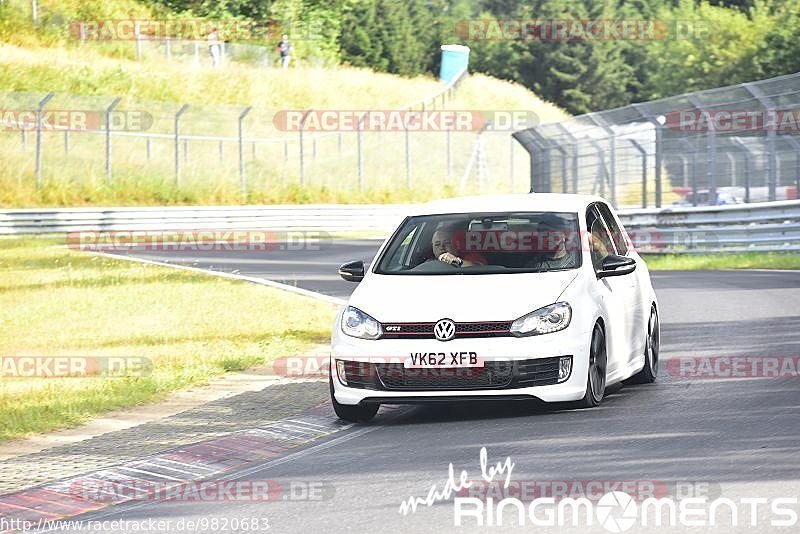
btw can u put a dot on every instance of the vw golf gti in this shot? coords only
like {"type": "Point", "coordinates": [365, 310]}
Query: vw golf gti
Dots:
{"type": "Point", "coordinates": [535, 296]}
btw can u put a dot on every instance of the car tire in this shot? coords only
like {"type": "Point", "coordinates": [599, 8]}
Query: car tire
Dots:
{"type": "Point", "coordinates": [596, 376]}
{"type": "Point", "coordinates": [357, 413]}
{"type": "Point", "coordinates": [649, 372]}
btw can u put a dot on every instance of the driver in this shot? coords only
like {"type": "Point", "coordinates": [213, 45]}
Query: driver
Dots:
{"type": "Point", "coordinates": [553, 231]}
{"type": "Point", "coordinates": [445, 251]}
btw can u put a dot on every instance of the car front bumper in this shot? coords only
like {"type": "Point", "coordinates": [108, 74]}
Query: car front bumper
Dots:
{"type": "Point", "coordinates": [569, 342]}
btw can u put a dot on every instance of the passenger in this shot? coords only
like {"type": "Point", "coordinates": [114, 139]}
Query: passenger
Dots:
{"type": "Point", "coordinates": [553, 232]}
{"type": "Point", "coordinates": [445, 251]}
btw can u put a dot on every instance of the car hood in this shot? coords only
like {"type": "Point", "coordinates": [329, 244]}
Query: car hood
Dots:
{"type": "Point", "coordinates": [462, 298]}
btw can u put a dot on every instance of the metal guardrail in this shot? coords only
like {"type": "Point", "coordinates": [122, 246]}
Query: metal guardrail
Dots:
{"type": "Point", "coordinates": [769, 226]}
{"type": "Point", "coordinates": [322, 217]}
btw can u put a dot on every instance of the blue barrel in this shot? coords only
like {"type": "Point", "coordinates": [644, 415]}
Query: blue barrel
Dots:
{"type": "Point", "coordinates": [455, 59]}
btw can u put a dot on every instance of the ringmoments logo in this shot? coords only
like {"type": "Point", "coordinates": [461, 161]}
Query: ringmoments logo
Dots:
{"type": "Point", "coordinates": [616, 510]}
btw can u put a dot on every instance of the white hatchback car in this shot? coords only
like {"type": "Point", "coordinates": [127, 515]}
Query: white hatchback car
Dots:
{"type": "Point", "coordinates": [496, 297]}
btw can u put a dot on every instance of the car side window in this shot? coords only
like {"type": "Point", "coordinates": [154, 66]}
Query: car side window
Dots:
{"type": "Point", "coordinates": [616, 232]}
{"type": "Point", "coordinates": [602, 245]}
{"type": "Point", "coordinates": [399, 257]}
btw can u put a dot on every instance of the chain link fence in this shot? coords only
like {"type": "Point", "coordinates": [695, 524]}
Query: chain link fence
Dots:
{"type": "Point", "coordinates": [727, 145]}
{"type": "Point", "coordinates": [112, 142]}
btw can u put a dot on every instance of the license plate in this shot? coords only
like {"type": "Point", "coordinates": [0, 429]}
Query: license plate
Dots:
{"type": "Point", "coordinates": [442, 360]}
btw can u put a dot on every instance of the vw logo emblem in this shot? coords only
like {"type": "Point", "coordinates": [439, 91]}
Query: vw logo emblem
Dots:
{"type": "Point", "coordinates": [444, 330]}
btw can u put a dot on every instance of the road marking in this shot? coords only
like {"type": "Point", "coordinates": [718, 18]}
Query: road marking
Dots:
{"type": "Point", "coordinates": [221, 274]}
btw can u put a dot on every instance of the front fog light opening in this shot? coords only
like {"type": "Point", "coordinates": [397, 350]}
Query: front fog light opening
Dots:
{"type": "Point", "coordinates": [340, 372]}
{"type": "Point", "coordinates": [564, 368]}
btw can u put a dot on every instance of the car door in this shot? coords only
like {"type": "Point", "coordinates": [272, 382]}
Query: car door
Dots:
{"type": "Point", "coordinates": [613, 292]}
{"type": "Point", "coordinates": [634, 301]}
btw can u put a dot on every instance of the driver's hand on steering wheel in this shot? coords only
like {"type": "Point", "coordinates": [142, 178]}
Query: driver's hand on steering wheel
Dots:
{"type": "Point", "coordinates": [452, 259]}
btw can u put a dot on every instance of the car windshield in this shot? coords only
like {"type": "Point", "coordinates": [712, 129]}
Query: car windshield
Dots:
{"type": "Point", "coordinates": [483, 243]}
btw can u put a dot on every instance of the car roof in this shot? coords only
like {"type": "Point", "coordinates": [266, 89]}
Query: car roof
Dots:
{"type": "Point", "coordinates": [545, 202]}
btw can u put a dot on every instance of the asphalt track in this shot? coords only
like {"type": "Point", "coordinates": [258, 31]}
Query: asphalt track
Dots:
{"type": "Point", "coordinates": [722, 437]}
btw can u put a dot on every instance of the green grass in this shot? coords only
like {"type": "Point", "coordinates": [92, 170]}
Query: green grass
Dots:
{"type": "Point", "coordinates": [89, 76]}
{"type": "Point", "coordinates": [747, 260]}
{"type": "Point", "coordinates": [85, 79]}
{"type": "Point", "coordinates": [58, 302]}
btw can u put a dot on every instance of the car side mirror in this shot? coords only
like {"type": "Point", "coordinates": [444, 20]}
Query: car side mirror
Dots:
{"type": "Point", "coordinates": [614, 265]}
{"type": "Point", "coordinates": [352, 271]}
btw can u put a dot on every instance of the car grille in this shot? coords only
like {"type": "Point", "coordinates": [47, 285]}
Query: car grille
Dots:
{"type": "Point", "coordinates": [500, 374]}
{"type": "Point", "coordinates": [463, 330]}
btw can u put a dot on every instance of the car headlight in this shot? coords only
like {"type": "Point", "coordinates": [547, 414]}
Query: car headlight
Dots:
{"type": "Point", "coordinates": [356, 323]}
{"type": "Point", "coordinates": [545, 320]}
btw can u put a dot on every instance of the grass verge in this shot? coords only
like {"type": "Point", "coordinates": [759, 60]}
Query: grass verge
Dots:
{"type": "Point", "coordinates": [57, 302]}
{"type": "Point", "coordinates": [745, 260]}
{"type": "Point", "coordinates": [73, 167]}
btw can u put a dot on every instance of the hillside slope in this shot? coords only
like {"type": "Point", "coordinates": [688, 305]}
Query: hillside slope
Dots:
{"type": "Point", "coordinates": [90, 76]}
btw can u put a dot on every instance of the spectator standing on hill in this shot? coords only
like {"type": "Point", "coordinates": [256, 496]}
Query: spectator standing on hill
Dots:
{"type": "Point", "coordinates": [214, 46]}
{"type": "Point", "coordinates": [285, 48]}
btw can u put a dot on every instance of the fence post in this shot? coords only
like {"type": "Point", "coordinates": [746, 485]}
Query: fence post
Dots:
{"type": "Point", "coordinates": [66, 143]}
{"type": "Point", "coordinates": [564, 180]}
{"type": "Point", "coordinates": [449, 155]}
{"type": "Point", "coordinates": [221, 152]}
{"type": "Point", "coordinates": [167, 48]}
{"type": "Point", "coordinates": [658, 160]}
{"type": "Point", "coordinates": [747, 158]}
{"type": "Point", "coordinates": [612, 160]}
{"type": "Point", "coordinates": [770, 108]}
{"type": "Point", "coordinates": [302, 149]}
{"type": "Point", "coordinates": [108, 137]}
{"type": "Point", "coordinates": [285, 151]}
{"type": "Point", "coordinates": [600, 178]}
{"type": "Point", "coordinates": [24, 139]}
{"type": "Point", "coordinates": [138, 33]}
{"type": "Point", "coordinates": [408, 158]}
{"type": "Point", "coordinates": [796, 146]}
{"type": "Point", "coordinates": [178, 143]}
{"type": "Point", "coordinates": [42, 104]}
{"type": "Point", "coordinates": [360, 155]}
{"type": "Point", "coordinates": [772, 186]}
{"type": "Point", "coordinates": [242, 177]}
{"type": "Point", "coordinates": [693, 150]}
{"type": "Point", "coordinates": [732, 163]}
{"type": "Point", "coordinates": [612, 168]}
{"type": "Point", "coordinates": [147, 147]}
{"type": "Point", "coordinates": [545, 167]}
{"type": "Point", "coordinates": [511, 162]}
{"type": "Point", "coordinates": [643, 152]}
{"type": "Point", "coordinates": [574, 143]}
